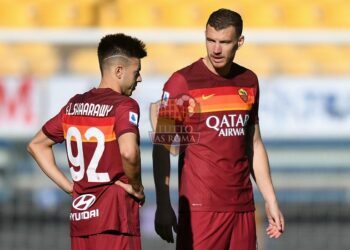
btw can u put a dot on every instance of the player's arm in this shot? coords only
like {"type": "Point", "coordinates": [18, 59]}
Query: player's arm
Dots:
{"type": "Point", "coordinates": [261, 172]}
{"type": "Point", "coordinates": [165, 218]}
{"type": "Point", "coordinates": [161, 169]}
{"type": "Point", "coordinates": [40, 149]}
{"type": "Point", "coordinates": [130, 154]}
{"type": "Point", "coordinates": [161, 173]}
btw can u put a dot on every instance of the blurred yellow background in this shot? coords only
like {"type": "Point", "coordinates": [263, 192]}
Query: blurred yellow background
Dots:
{"type": "Point", "coordinates": [267, 58]}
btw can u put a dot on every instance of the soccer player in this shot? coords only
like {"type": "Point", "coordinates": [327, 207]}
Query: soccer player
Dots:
{"type": "Point", "coordinates": [100, 129]}
{"type": "Point", "coordinates": [216, 204]}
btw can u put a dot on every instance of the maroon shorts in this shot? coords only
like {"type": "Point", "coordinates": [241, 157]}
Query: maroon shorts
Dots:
{"type": "Point", "coordinates": [216, 230]}
{"type": "Point", "coordinates": [106, 241]}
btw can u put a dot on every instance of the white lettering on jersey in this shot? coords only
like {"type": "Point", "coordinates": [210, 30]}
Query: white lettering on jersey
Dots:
{"type": "Point", "coordinates": [228, 125]}
{"type": "Point", "coordinates": [86, 215]}
{"type": "Point", "coordinates": [82, 203]}
{"type": "Point", "coordinates": [88, 109]}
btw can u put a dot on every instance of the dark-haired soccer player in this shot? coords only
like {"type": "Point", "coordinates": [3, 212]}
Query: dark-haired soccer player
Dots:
{"type": "Point", "coordinates": [216, 205]}
{"type": "Point", "coordinates": [100, 128]}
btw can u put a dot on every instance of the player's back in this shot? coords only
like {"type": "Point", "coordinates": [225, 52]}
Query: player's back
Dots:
{"type": "Point", "coordinates": [90, 124]}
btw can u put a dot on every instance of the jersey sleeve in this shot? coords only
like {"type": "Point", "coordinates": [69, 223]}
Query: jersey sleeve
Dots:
{"type": "Point", "coordinates": [255, 109]}
{"type": "Point", "coordinates": [127, 116]}
{"type": "Point", "coordinates": [174, 95]}
{"type": "Point", "coordinates": [175, 86]}
{"type": "Point", "coordinates": [53, 128]}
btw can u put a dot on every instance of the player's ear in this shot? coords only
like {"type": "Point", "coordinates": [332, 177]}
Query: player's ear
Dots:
{"type": "Point", "coordinates": [119, 71]}
{"type": "Point", "coordinates": [240, 42]}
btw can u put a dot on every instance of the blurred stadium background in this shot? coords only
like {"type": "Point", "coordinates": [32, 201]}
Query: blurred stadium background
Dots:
{"type": "Point", "coordinates": [299, 49]}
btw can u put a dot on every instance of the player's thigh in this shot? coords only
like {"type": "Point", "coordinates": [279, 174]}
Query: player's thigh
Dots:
{"type": "Point", "coordinates": [244, 232]}
{"type": "Point", "coordinates": [204, 230]}
{"type": "Point", "coordinates": [107, 241]}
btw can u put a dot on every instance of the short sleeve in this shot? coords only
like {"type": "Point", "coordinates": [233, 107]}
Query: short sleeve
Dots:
{"type": "Point", "coordinates": [53, 128]}
{"type": "Point", "coordinates": [174, 95]}
{"type": "Point", "coordinates": [255, 109]}
{"type": "Point", "coordinates": [127, 116]}
{"type": "Point", "coordinates": [175, 86]}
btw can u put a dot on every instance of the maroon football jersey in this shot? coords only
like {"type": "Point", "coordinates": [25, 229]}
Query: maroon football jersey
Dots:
{"type": "Point", "coordinates": [214, 167]}
{"type": "Point", "coordinates": [90, 124]}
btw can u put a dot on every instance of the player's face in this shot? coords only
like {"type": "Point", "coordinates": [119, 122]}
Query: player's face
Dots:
{"type": "Point", "coordinates": [131, 76]}
{"type": "Point", "coordinates": [222, 46]}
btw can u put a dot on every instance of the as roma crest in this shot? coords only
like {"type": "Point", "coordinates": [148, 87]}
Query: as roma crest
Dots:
{"type": "Point", "coordinates": [243, 94]}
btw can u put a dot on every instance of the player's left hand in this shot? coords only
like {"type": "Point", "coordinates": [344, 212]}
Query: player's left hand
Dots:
{"type": "Point", "coordinates": [69, 190]}
{"type": "Point", "coordinates": [276, 220]}
{"type": "Point", "coordinates": [165, 222]}
{"type": "Point", "coordinates": [130, 190]}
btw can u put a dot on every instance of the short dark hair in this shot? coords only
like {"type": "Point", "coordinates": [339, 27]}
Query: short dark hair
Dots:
{"type": "Point", "coordinates": [120, 44]}
{"type": "Point", "coordinates": [223, 18]}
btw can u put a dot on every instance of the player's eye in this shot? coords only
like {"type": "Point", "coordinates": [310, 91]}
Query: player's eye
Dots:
{"type": "Point", "coordinates": [210, 40]}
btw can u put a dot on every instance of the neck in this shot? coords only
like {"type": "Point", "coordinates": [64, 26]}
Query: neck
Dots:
{"type": "Point", "coordinates": [221, 71]}
{"type": "Point", "coordinates": [107, 84]}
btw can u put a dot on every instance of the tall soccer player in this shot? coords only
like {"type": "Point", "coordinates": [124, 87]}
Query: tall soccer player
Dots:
{"type": "Point", "coordinates": [222, 148]}
{"type": "Point", "coordinates": [100, 129]}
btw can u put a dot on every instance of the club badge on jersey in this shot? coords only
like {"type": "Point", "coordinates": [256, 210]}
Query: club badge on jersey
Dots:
{"type": "Point", "coordinates": [133, 118]}
{"type": "Point", "coordinates": [243, 94]}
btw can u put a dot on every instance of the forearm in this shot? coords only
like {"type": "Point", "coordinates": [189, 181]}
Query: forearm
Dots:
{"type": "Point", "coordinates": [262, 172]}
{"type": "Point", "coordinates": [45, 159]}
{"type": "Point", "coordinates": [131, 160]}
{"type": "Point", "coordinates": [132, 170]}
{"type": "Point", "coordinates": [161, 173]}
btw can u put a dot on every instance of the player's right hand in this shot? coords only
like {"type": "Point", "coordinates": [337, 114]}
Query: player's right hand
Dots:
{"type": "Point", "coordinates": [165, 221]}
{"type": "Point", "coordinates": [130, 190]}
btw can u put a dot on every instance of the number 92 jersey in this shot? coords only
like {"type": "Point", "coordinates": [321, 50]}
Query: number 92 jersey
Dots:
{"type": "Point", "coordinates": [91, 124]}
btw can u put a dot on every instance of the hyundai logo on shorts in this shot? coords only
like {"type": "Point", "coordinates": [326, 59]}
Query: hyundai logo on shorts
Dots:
{"type": "Point", "coordinates": [84, 201]}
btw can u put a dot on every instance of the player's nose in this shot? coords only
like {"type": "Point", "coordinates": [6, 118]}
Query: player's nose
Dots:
{"type": "Point", "coordinates": [217, 48]}
{"type": "Point", "coordinates": [139, 79]}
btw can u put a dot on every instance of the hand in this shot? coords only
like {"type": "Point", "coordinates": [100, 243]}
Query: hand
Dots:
{"type": "Point", "coordinates": [130, 190]}
{"type": "Point", "coordinates": [273, 232]}
{"type": "Point", "coordinates": [70, 189]}
{"type": "Point", "coordinates": [164, 222]}
{"type": "Point", "coordinates": [275, 219]}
